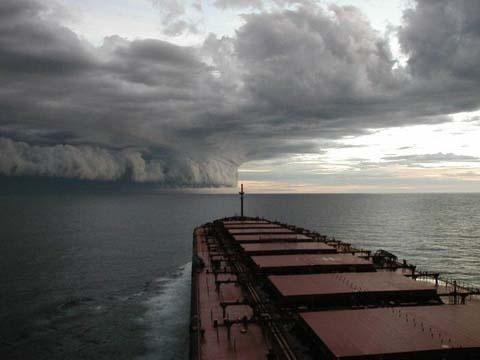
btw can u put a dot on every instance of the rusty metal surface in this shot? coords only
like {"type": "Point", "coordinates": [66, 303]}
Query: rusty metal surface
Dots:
{"type": "Point", "coordinates": [393, 333]}
{"type": "Point", "coordinates": [337, 289]}
{"type": "Point", "coordinates": [215, 343]}
{"type": "Point", "coordinates": [278, 230]}
{"type": "Point", "coordinates": [311, 263]}
{"type": "Point", "coordinates": [261, 238]}
{"type": "Point", "coordinates": [293, 285]}
{"type": "Point", "coordinates": [238, 222]}
{"type": "Point", "coordinates": [277, 248]}
{"type": "Point", "coordinates": [252, 226]}
{"type": "Point", "coordinates": [399, 331]}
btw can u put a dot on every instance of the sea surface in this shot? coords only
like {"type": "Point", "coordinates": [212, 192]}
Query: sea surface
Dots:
{"type": "Point", "coordinates": [106, 275]}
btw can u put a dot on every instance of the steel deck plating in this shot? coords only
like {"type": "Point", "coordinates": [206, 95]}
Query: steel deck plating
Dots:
{"type": "Point", "coordinates": [263, 290]}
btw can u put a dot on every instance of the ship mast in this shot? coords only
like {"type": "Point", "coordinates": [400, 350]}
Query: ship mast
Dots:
{"type": "Point", "coordinates": [241, 193]}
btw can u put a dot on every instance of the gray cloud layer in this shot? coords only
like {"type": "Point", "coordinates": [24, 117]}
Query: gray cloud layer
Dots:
{"type": "Point", "coordinates": [416, 160]}
{"type": "Point", "coordinates": [151, 111]}
{"type": "Point", "coordinates": [93, 163]}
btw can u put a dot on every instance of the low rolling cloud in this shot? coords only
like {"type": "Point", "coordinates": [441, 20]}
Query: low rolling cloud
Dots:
{"type": "Point", "coordinates": [148, 110]}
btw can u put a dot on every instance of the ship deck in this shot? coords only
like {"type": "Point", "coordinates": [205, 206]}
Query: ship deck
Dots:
{"type": "Point", "coordinates": [350, 289]}
{"type": "Point", "coordinates": [265, 238]}
{"type": "Point", "coordinates": [217, 342]}
{"type": "Point", "coordinates": [310, 263]}
{"type": "Point", "coordinates": [433, 332]}
{"type": "Point", "coordinates": [286, 248]}
{"type": "Point", "coordinates": [263, 290]}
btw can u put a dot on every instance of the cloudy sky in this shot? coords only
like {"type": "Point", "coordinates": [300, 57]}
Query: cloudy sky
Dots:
{"type": "Point", "coordinates": [283, 95]}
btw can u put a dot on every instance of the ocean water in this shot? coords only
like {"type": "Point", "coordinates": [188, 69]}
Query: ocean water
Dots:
{"type": "Point", "coordinates": [107, 274]}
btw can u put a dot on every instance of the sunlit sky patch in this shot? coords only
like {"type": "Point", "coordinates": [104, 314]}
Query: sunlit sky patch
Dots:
{"type": "Point", "coordinates": [447, 153]}
{"type": "Point", "coordinates": [139, 19]}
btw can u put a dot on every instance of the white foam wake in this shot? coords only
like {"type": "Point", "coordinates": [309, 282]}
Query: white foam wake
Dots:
{"type": "Point", "coordinates": [168, 316]}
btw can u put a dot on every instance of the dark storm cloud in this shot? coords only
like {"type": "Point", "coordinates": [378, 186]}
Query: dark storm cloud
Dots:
{"type": "Point", "coordinates": [304, 62]}
{"type": "Point", "coordinates": [152, 111]}
{"type": "Point", "coordinates": [442, 38]}
{"type": "Point", "coordinates": [442, 41]}
{"type": "Point", "coordinates": [337, 75]}
{"type": "Point", "coordinates": [119, 106]}
{"type": "Point", "coordinates": [94, 163]}
{"type": "Point", "coordinates": [31, 45]}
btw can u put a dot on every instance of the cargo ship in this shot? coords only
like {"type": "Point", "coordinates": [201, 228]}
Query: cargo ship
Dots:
{"type": "Point", "coordinates": [263, 289]}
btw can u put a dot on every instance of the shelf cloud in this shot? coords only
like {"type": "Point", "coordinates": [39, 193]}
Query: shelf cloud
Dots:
{"type": "Point", "coordinates": [152, 111]}
{"type": "Point", "coordinates": [98, 164]}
